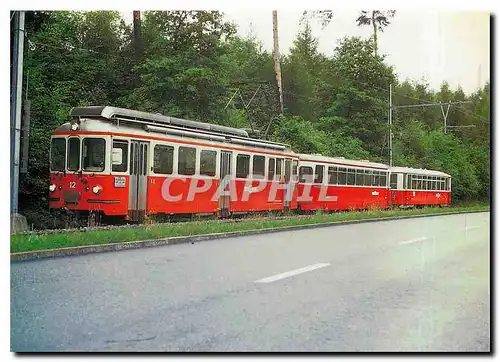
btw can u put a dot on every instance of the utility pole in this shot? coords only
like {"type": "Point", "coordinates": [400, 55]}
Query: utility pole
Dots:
{"type": "Point", "coordinates": [429, 104]}
{"type": "Point", "coordinates": [390, 125]}
{"type": "Point", "coordinates": [15, 118]}
{"type": "Point", "coordinates": [26, 135]}
{"type": "Point", "coordinates": [445, 115]}
{"type": "Point", "coordinates": [277, 69]}
{"type": "Point", "coordinates": [432, 104]}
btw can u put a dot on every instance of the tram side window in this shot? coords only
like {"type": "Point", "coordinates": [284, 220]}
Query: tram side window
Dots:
{"type": "Point", "coordinates": [163, 159]}
{"type": "Point", "coordinates": [367, 178]}
{"type": "Point", "coordinates": [305, 174]}
{"type": "Point", "coordinates": [288, 166]}
{"type": "Point", "coordinates": [295, 166]}
{"type": "Point", "coordinates": [394, 180]}
{"type": "Point", "coordinates": [208, 160]}
{"type": "Point", "coordinates": [187, 161]}
{"type": "Point", "coordinates": [73, 154]}
{"type": "Point", "coordinates": [318, 174]}
{"type": "Point", "coordinates": [242, 166]}
{"type": "Point", "coordinates": [351, 176]}
{"type": "Point", "coordinates": [270, 169]}
{"type": "Point", "coordinates": [332, 175]}
{"type": "Point", "coordinates": [383, 179]}
{"type": "Point", "coordinates": [360, 175]}
{"type": "Point", "coordinates": [279, 172]}
{"type": "Point", "coordinates": [434, 183]}
{"type": "Point", "coordinates": [342, 176]}
{"type": "Point", "coordinates": [123, 145]}
{"type": "Point", "coordinates": [94, 154]}
{"type": "Point", "coordinates": [58, 154]}
{"type": "Point", "coordinates": [375, 178]}
{"type": "Point", "coordinates": [259, 166]}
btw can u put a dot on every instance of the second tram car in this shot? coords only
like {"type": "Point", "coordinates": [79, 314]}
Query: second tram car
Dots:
{"type": "Point", "coordinates": [329, 183]}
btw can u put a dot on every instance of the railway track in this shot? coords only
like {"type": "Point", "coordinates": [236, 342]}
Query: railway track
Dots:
{"type": "Point", "coordinates": [237, 219]}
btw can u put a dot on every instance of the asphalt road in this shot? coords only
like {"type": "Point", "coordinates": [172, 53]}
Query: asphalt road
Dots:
{"type": "Point", "coordinates": [408, 285]}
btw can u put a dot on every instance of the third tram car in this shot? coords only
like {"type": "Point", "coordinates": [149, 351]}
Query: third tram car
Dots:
{"type": "Point", "coordinates": [412, 187]}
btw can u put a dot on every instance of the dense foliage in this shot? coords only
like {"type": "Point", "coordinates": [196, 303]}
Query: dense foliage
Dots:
{"type": "Point", "coordinates": [193, 63]}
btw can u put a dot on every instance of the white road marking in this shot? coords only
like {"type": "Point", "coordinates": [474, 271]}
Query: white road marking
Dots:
{"type": "Point", "coordinates": [413, 240]}
{"type": "Point", "coordinates": [291, 273]}
{"type": "Point", "coordinates": [472, 227]}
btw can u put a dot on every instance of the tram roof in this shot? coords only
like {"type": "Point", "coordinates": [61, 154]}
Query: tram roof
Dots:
{"type": "Point", "coordinates": [418, 171]}
{"type": "Point", "coordinates": [129, 115]}
{"type": "Point", "coordinates": [341, 160]}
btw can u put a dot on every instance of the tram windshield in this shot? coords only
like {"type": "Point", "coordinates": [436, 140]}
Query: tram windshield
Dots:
{"type": "Point", "coordinates": [73, 154]}
{"type": "Point", "coordinates": [93, 154]}
{"type": "Point", "coordinates": [58, 154]}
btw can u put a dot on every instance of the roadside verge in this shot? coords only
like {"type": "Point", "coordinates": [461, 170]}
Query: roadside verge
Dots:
{"type": "Point", "coordinates": [87, 249]}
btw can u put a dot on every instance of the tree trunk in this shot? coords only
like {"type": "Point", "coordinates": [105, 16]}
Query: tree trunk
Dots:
{"type": "Point", "coordinates": [374, 31]}
{"type": "Point", "coordinates": [277, 69]}
{"type": "Point", "coordinates": [137, 44]}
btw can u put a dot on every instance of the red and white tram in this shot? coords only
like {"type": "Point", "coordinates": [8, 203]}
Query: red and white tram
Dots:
{"type": "Point", "coordinates": [328, 183]}
{"type": "Point", "coordinates": [130, 163]}
{"type": "Point", "coordinates": [417, 187]}
{"type": "Point", "coordinates": [121, 162]}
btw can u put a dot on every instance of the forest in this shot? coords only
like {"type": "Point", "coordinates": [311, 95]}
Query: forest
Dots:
{"type": "Point", "coordinates": [194, 65]}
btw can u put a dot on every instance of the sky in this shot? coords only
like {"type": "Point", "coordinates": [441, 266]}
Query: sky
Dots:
{"type": "Point", "coordinates": [435, 45]}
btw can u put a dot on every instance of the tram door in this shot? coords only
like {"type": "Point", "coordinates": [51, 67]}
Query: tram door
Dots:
{"type": "Point", "coordinates": [288, 183]}
{"type": "Point", "coordinates": [393, 186]}
{"type": "Point", "coordinates": [225, 177]}
{"type": "Point", "coordinates": [138, 180]}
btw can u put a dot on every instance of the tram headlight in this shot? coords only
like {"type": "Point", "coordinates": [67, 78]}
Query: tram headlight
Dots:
{"type": "Point", "coordinates": [75, 125]}
{"type": "Point", "coordinates": [96, 189]}
{"type": "Point", "coordinates": [52, 188]}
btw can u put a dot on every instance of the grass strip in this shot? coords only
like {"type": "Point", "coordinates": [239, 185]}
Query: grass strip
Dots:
{"type": "Point", "coordinates": [43, 241]}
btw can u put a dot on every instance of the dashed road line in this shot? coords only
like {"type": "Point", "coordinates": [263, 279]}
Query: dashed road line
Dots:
{"type": "Point", "coordinates": [411, 241]}
{"type": "Point", "coordinates": [292, 273]}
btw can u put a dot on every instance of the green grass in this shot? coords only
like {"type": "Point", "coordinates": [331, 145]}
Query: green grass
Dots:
{"type": "Point", "coordinates": [40, 241]}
